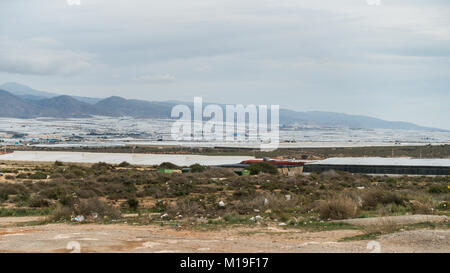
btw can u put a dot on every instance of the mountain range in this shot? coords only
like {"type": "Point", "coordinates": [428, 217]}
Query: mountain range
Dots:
{"type": "Point", "coordinates": [20, 101]}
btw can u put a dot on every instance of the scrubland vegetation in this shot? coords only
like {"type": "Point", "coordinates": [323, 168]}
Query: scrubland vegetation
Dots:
{"type": "Point", "coordinates": [215, 197]}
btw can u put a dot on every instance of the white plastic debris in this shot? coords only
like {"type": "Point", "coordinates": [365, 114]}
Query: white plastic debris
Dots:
{"type": "Point", "coordinates": [266, 202]}
{"type": "Point", "coordinates": [256, 218]}
{"type": "Point", "coordinates": [282, 224]}
{"type": "Point", "coordinates": [79, 218]}
{"type": "Point", "coordinates": [165, 215]}
{"type": "Point", "coordinates": [288, 197]}
{"type": "Point", "coordinates": [221, 204]}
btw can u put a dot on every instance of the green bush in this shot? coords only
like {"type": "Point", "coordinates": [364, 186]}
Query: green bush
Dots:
{"type": "Point", "coordinates": [38, 175]}
{"type": "Point", "coordinates": [124, 164]}
{"type": "Point", "coordinates": [234, 218]}
{"type": "Point", "coordinates": [168, 165]}
{"type": "Point", "coordinates": [4, 212]}
{"type": "Point", "coordinates": [133, 204]}
{"type": "Point", "coordinates": [58, 163]}
{"type": "Point", "coordinates": [197, 168]}
{"type": "Point", "coordinates": [160, 206]}
{"type": "Point", "coordinates": [438, 189]}
{"type": "Point", "coordinates": [262, 167]}
{"type": "Point", "coordinates": [102, 166]}
{"type": "Point", "coordinates": [22, 176]}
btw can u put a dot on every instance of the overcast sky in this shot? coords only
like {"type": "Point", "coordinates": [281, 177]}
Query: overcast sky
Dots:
{"type": "Point", "coordinates": [390, 60]}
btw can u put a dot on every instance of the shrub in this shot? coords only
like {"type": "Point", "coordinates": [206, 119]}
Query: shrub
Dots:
{"type": "Point", "coordinates": [86, 193]}
{"type": "Point", "coordinates": [133, 203]}
{"type": "Point", "coordinates": [58, 163]}
{"type": "Point", "coordinates": [22, 176]}
{"type": "Point", "coordinates": [197, 168]}
{"type": "Point", "coordinates": [372, 198]}
{"type": "Point", "coordinates": [3, 196]}
{"type": "Point", "coordinates": [243, 193]}
{"type": "Point", "coordinates": [67, 200]}
{"type": "Point", "coordinates": [338, 208]}
{"type": "Point", "coordinates": [102, 166]}
{"type": "Point", "coordinates": [187, 207]}
{"type": "Point", "coordinates": [21, 199]}
{"type": "Point", "coordinates": [90, 206]}
{"type": "Point", "coordinates": [38, 202]}
{"type": "Point", "coordinates": [38, 175]}
{"type": "Point", "coordinates": [382, 226]}
{"type": "Point", "coordinates": [263, 167]}
{"type": "Point", "coordinates": [168, 165]}
{"type": "Point", "coordinates": [124, 164]}
{"type": "Point", "coordinates": [4, 212]}
{"type": "Point", "coordinates": [443, 197]}
{"type": "Point", "coordinates": [61, 212]}
{"type": "Point", "coordinates": [160, 206]}
{"type": "Point", "coordinates": [390, 209]}
{"type": "Point", "coordinates": [234, 218]}
{"type": "Point", "coordinates": [278, 203]}
{"type": "Point", "coordinates": [438, 189]}
{"type": "Point", "coordinates": [391, 180]}
{"type": "Point", "coordinates": [7, 189]}
{"type": "Point", "coordinates": [422, 206]}
{"type": "Point", "coordinates": [443, 205]}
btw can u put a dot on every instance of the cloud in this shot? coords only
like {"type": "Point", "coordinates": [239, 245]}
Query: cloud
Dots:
{"type": "Point", "coordinates": [40, 56]}
{"type": "Point", "coordinates": [305, 55]}
{"type": "Point", "coordinates": [158, 78]}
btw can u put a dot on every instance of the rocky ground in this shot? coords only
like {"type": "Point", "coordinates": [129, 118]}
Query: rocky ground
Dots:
{"type": "Point", "coordinates": [154, 238]}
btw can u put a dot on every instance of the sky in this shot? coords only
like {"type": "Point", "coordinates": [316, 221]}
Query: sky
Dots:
{"type": "Point", "coordinates": [383, 58]}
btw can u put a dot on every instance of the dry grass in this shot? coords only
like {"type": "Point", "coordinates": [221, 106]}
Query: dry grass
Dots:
{"type": "Point", "coordinates": [374, 197]}
{"type": "Point", "coordinates": [383, 226]}
{"type": "Point", "coordinates": [338, 208]}
{"type": "Point", "coordinates": [60, 213]}
{"type": "Point", "coordinates": [91, 206]}
{"type": "Point", "coordinates": [85, 207]}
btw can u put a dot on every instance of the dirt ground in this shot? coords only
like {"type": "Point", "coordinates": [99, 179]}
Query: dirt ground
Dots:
{"type": "Point", "coordinates": [399, 220]}
{"type": "Point", "coordinates": [153, 238]}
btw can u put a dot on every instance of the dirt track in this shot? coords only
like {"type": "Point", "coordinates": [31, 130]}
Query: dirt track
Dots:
{"type": "Point", "coordinates": [400, 220]}
{"type": "Point", "coordinates": [126, 238]}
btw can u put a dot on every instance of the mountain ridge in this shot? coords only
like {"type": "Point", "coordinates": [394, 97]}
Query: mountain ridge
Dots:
{"type": "Point", "coordinates": [27, 103]}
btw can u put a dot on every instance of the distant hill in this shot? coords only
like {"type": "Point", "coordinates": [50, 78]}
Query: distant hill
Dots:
{"type": "Point", "coordinates": [332, 119]}
{"type": "Point", "coordinates": [23, 90]}
{"type": "Point", "coordinates": [65, 106]}
{"type": "Point", "coordinates": [117, 106]}
{"type": "Point", "coordinates": [61, 106]}
{"type": "Point", "coordinates": [25, 102]}
{"type": "Point", "coordinates": [15, 107]}
{"type": "Point", "coordinates": [29, 93]}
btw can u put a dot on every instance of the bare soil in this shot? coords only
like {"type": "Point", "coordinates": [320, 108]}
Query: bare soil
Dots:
{"type": "Point", "coordinates": [153, 238]}
{"type": "Point", "coordinates": [399, 220]}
